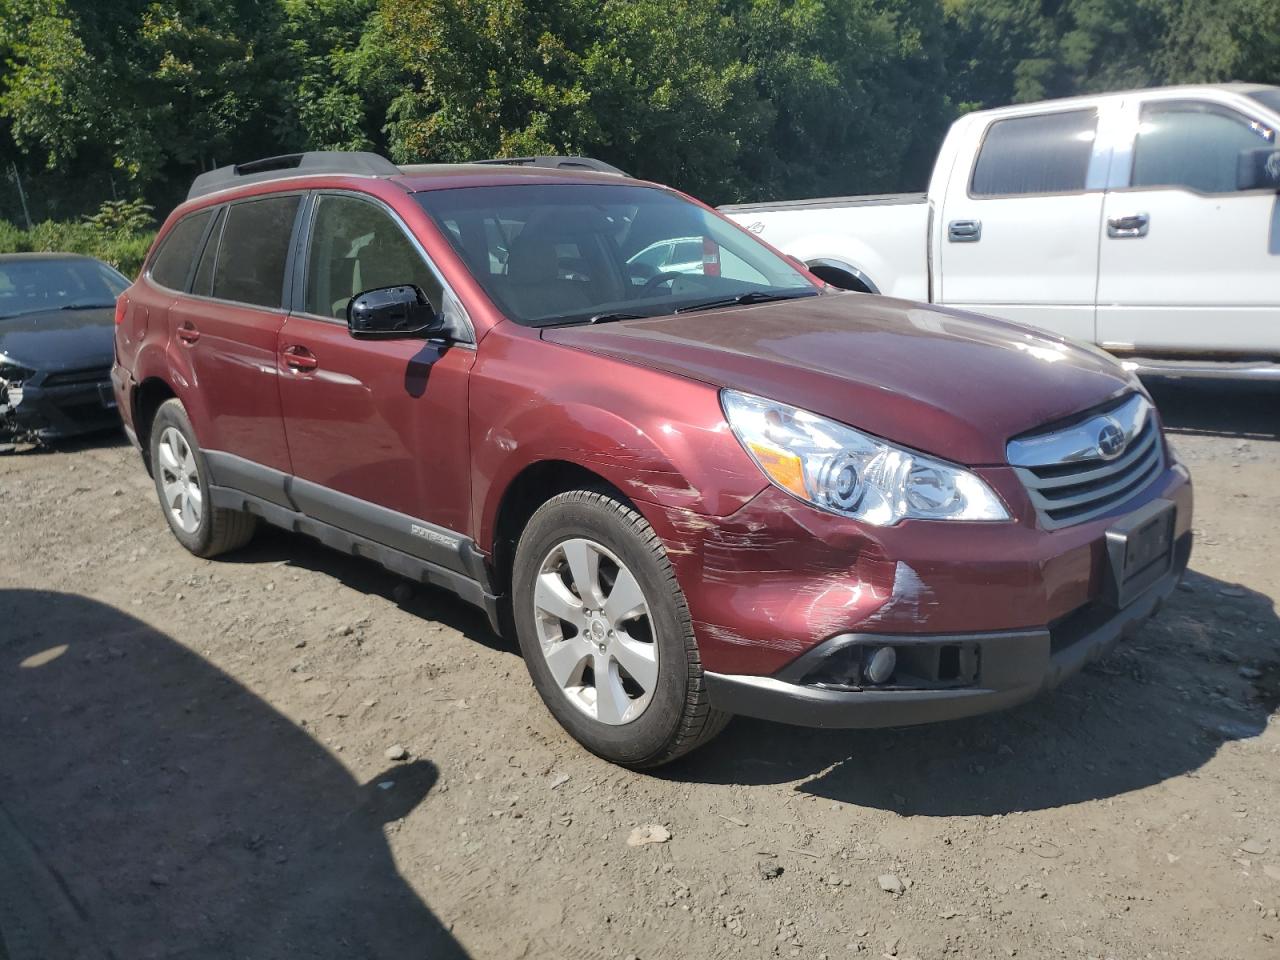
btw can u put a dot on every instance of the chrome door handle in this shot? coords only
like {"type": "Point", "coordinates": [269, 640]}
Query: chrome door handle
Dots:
{"type": "Point", "coordinates": [964, 231]}
{"type": "Point", "coordinates": [1129, 225]}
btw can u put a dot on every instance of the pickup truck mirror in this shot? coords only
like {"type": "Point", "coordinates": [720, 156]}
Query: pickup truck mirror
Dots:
{"type": "Point", "coordinates": [388, 313]}
{"type": "Point", "coordinates": [1258, 170]}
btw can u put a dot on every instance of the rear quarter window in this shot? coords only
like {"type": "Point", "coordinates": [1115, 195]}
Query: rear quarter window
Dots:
{"type": "Point", "coordinates": [172, 264]}
{"type": "Point", "coordinates": [1048, 153]}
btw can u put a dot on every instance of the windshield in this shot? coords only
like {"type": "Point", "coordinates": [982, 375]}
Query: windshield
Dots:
{"type": "Point", "coordinates": [1268, 98]}
{"type": "Point", "coordinates": [571, 253]}
{"type": "Point", "coordinates": [38, 284]}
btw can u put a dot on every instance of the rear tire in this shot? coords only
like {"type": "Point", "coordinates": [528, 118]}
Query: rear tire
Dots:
{"type": "Point", "coordinates": [651, 706]}
{"type": "Point", "coordinates": [181, 474]}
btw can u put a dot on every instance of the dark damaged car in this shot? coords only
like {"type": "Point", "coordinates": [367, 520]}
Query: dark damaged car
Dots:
{"type": "Point", "coordinates": [56, 331]}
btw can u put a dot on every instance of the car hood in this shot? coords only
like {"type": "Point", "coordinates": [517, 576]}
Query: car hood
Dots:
{"type": "Point", "coordinates": [952, 384]}
{"type": "Point", "coordinates": [59, 339]}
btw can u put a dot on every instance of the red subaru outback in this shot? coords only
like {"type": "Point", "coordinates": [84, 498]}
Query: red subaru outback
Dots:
{"type": "Point", "coordinates": [696, 482]}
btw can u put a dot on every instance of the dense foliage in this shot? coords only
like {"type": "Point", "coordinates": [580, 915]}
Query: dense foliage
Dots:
{"type": "Point", "coordinates": [729, 99]}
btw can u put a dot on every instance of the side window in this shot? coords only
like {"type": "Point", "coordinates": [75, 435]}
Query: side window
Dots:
{"type": "Point", "coordinates": [357, 246]}
{"type": "Point", "coordinates": [254, 248]}
{"type": "Point", "coordinates": [1193, 145]}
{"type": "Point", "coordinates": [172, 264]}
{"type": "Point", "coordinates": [1043, 154]}
{"type": "Point", "coordinates": [203, 284]}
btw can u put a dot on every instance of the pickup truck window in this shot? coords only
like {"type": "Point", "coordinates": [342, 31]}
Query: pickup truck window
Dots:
{"type": "Point", "coordinates": [574, 252]}
{"type": "Point", "coordinates": [1193, 145]}
{"type": "Point", "coordinates": [1047, 153]}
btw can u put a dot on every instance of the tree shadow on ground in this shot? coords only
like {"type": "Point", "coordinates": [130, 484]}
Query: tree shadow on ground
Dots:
{"type": "Point", "coordinates": [1205, 671]}
{"type": "Point", "coordinates": [150, 806]}
{"type": "Point", "coordinates": [1218, 407]}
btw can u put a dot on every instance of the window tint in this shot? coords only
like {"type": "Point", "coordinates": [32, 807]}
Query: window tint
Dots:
{"type": "Point", "coordinates": [254, 248]}
{"type": "Point", "coordinates": [356, 246]}
{"type": "Point", "coordinates": [172, 264]}
{"type": "Point", "coordinates": [203, 283]}
{"type": "Point", "coordinates": [1044, 154]}
{"type": "Point", "coordinates": [1193, 145]}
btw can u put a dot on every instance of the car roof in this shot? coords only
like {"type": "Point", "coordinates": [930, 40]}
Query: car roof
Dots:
{"type": "Point", "coordinates": [1086, 99]}
{"type": "Point", "coordinates": [436, 176]}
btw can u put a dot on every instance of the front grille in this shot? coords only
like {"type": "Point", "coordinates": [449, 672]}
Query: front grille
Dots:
{"type": "Point", "coordinates": [1066, 474]}
{"type": "Point", "coordinates": [66, 378]}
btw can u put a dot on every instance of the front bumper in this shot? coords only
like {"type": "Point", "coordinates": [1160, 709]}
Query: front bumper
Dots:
{"type": "Point", "coordinates": [1009, 667]}
{"type": "Point", "coordinates": [66, 409]}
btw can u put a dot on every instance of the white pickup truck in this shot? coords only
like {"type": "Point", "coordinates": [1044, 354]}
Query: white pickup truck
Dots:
{"type": "Point", "coordinates": [1147, 222]}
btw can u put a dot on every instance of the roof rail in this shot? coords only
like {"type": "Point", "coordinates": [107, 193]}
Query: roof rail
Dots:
{"type": "Point", "coordinates": [563, 163]}
{"type": "Point", "coordinates": [292, 165]}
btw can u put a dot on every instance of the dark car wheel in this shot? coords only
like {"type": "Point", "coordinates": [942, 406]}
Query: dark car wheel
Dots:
{"type": "Point", "coordinates": [606, 633]}
{"type": "Point", "coordinates": [182, 484]}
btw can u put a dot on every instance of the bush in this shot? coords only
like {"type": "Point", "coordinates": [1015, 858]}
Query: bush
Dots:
{"type": "Point", "coordinates": [118, 234]}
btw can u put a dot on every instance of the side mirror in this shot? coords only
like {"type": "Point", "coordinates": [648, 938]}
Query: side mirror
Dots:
{"type": "Point", "coordinates": [389, 313]}
{"type": "Point", "coordinates": [1258, 170]}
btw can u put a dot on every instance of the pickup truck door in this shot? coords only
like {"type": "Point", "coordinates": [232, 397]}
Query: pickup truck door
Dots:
{"type": "Point", "coordinates": [1019, 224]}
{"type": "Point", "coordinates": [377, 429]}
{"type": "Point", "coordinates": [1189, 264]}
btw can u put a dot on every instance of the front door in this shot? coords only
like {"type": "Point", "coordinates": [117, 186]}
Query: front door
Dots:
{"type": "Point", "coordinates": [1019, 228]}
{"type": "Point", "coordinates": [377, 429]}
{"type": "Point", "coordinates": [1190, 264]}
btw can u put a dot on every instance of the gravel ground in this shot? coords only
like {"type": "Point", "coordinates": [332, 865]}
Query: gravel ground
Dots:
{"type": "Point", "coordinates": [202, 759]}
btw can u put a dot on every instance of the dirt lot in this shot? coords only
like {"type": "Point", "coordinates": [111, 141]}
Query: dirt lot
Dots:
{"type": "Point", "coordinates": [193, 763]}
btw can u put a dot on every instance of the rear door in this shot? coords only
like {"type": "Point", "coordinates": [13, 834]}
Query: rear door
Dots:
{"type": "Point", "coordinates": [224, 335]}
{"type": "Point", "coordinates": [1020, 224]}
{"type": "Point", "coordinates": [377, 429]}
{"type": "Point", "coordinates": [1189, 264]}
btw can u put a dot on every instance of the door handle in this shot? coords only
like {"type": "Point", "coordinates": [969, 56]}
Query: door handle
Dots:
{"type": "Point", "coordinates": [187, 333]}
{"type": "Point", "coordinates": [964, 231]}
{"type": "Point", "coordinates": [299, 359]}
{"type": "Point", "coordinates": [1129, 225]}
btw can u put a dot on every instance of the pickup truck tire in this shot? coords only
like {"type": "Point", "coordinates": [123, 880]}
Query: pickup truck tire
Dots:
{"type": "Point", "coordinates": [668, 714]}
{"type": "Point", "coordinates": [181, 474]}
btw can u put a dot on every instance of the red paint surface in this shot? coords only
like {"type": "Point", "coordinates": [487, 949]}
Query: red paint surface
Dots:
{"type": "Point", "coordinates": [442, 433]}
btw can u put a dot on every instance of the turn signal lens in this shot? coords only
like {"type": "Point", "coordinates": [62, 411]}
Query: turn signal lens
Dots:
{"type": "Point", "coordinates": [122, 304]}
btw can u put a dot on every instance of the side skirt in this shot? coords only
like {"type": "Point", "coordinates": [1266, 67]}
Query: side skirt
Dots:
{"type": "Point", "coordinates": [413, 548]}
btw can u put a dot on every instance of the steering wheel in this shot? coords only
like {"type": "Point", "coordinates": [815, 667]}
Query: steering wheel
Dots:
{"type": "Point", "coordinates": [658, 278]}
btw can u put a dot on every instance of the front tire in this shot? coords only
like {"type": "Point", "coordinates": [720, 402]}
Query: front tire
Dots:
{"type": "Point", "coordinates": [606, 633]}
{"type": "Point", "coordinates": [181, 474]}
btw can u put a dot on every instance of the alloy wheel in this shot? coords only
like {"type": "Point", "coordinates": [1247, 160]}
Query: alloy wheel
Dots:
{"type": "Point", "coordinates": [180, 480]}
{"type": "Point", "coordinates": [595, 631]}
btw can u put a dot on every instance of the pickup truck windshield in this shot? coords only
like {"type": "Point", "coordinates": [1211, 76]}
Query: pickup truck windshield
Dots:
{"type": "Point", "coordinates": [574, 253]}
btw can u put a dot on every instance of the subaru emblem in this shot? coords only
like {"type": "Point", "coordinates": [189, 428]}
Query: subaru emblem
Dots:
{"type": "Point", "coordinates": [1111, 440]}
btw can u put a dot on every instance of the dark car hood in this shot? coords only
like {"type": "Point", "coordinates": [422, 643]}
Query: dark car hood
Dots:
{"type": "Point", "coordinates": [945, 382]}
{"type": "Point", "coordinates": [59, 339]}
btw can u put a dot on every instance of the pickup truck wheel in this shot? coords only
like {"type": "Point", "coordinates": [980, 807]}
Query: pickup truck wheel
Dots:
{"type": "Point", "coordinates": [182, 483]}
{"type": "Point", "coordinates": [606, 633]}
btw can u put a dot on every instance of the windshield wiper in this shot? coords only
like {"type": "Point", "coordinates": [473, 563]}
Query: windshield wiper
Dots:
{"type": "Point", "coordinates": [85, 306]}
{"type": "Point", "coordinates": [751, 296]}
{"type": "Point", "coordinates": [610, 317]}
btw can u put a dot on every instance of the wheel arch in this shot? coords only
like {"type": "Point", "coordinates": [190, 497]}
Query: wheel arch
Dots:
{"type": "Point", "coordinates": [147, 398]}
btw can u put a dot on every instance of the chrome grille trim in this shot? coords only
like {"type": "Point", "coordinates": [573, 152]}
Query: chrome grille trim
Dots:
{"type": "Point", "coordinates": [1067, 478]}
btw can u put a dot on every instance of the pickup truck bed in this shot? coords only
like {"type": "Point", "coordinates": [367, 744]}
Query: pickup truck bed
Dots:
{"type": "Point", "coordinates": [882, 239]}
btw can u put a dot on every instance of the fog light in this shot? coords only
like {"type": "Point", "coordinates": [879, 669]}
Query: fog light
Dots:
{"type": "Point", "coordinates": [880, 665]}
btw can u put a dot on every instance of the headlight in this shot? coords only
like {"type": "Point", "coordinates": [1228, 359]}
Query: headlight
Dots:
{"type": "Point", "coordinates": [846, 471]}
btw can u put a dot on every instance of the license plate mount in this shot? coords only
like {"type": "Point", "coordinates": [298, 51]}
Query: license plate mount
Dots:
{"type": "Point", "coordinates": [1139, 552]}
